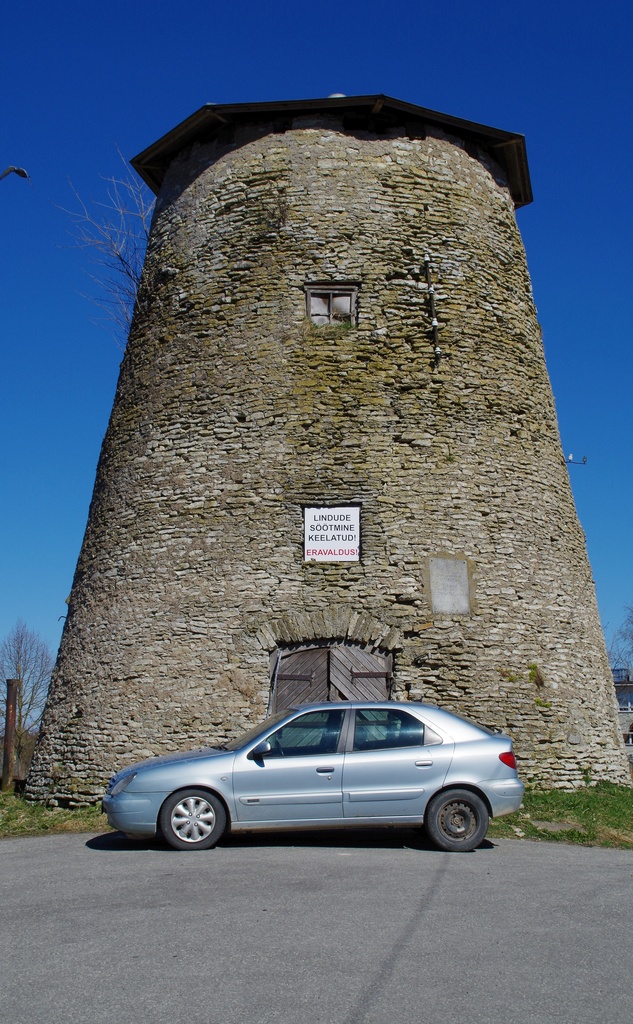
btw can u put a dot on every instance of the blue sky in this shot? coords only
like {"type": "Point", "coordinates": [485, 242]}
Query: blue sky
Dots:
{"type": "Point", "coordinates": [80, 80]}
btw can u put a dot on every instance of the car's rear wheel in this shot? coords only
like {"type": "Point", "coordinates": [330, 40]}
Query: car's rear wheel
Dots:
{"type": "Point", "coordinates": [456, 820]}
{"type": "Point", "coordinates": [192, 819]}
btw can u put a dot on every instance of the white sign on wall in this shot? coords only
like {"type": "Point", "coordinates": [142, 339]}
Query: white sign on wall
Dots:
{"type": "Point", "coordinates": [332, 533]}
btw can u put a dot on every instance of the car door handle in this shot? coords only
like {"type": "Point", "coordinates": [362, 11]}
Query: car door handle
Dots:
{"type": "Point", "coordinates": [423, 764]}
{"type": "Point", "coordinates": [324, 771]}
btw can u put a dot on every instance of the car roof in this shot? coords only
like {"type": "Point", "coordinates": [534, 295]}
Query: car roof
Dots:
{"type": "Point", "coordinates": [456, 723]}
{"type": "Point", "coordinates": [328, 705]}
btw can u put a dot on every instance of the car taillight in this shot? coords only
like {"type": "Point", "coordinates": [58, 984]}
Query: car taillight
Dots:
{"type": "Point", "coordinates": [508, 758]}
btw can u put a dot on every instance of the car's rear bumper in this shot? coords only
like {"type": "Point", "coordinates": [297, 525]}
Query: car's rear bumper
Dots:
{"type": "Point", "coordinates": [504, 795]}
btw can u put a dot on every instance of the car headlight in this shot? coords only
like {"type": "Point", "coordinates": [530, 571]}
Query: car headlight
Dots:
{"type": "Point", "coordinates": [122, 784]}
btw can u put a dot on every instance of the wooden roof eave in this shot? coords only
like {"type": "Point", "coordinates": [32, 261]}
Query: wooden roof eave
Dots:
{"type": "Point", "coordinates": [508, 148]}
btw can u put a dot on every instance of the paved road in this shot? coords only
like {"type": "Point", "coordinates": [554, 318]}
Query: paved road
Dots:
{"type": "Point", "coordinates": [316, 929]}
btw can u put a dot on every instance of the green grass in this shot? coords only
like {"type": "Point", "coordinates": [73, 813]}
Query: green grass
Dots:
{"type": "Point", "coordinates": [600, 815]}
{"type": "Point", "coordinates": [20, 818]}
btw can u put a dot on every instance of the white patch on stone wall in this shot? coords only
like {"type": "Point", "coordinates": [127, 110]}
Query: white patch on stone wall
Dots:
{"type": "Point", "coordinates": [449, 586]}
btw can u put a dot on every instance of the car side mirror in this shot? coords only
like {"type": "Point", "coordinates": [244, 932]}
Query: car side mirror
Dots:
{"type": "Point", "coordinates": [259, 751]}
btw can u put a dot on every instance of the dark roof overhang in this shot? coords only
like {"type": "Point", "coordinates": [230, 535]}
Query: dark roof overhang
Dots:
{"type": "Point", "coordinates": [371, 113]}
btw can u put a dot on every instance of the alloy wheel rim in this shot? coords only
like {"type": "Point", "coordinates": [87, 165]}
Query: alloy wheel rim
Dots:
{"type": "Point", "coordinates": [192, 819]}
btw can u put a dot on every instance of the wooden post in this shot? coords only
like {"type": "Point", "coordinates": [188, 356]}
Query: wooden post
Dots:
{"type": "Point", "coordinates": [9, 735]}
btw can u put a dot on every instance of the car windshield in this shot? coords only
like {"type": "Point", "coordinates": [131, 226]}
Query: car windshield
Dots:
{"type": "Point", "coordinates": [252, 734]}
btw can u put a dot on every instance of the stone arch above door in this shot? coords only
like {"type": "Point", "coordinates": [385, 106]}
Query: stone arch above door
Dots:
{"type": "Point", "coordinates": [326, 671]}
{"type": "Point", "coordinates": [339, 622]}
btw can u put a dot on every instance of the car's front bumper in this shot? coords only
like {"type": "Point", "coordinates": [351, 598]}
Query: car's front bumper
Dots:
{"type": "Point", "coordinates": [133, 813]}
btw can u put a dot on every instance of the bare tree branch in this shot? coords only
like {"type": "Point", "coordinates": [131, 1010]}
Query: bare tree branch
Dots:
{"type": "Point", "coordinates": [26, 657]}
{"type": "Point", "coordinates": [113, 231]}
{"type": "Point", "coordinates": [621, 647]}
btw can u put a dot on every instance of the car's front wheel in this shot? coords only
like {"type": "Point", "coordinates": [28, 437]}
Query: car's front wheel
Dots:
{"type": "Point", "coordinates": [456, 820]}
{"type": "Point", "coordinates": [192, 819]}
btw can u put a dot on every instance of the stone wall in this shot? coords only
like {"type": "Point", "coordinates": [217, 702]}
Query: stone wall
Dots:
{"type": "Point", "coordinates": [233, 412]}
{"type": "Point", "coordinates": [625, 717]}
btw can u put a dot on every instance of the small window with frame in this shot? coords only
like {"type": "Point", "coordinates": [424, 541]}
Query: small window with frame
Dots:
{"type": "Point", "coordinates": [331, 303]}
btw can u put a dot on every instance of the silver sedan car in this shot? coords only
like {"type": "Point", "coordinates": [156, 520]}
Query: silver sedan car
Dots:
{"type": "Point", "coordinates": [326, 766]}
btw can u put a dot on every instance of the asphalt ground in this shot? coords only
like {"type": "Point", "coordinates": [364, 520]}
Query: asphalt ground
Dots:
{"type": "Point", "coordinates": [314, 928]}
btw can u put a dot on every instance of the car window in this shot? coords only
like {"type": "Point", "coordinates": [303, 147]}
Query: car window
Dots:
{"type": "Point", "coordinates": [316, 732]}
{"type": "Point", "coordinates": [476, 725]}
{"type": "Point", "coordinates": [384, 728]}
{"type": "Point", "coordinates": [244, 738]}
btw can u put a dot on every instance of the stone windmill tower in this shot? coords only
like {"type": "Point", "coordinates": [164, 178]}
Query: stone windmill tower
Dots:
{"type": "Point", "coordinates": [333, 467]}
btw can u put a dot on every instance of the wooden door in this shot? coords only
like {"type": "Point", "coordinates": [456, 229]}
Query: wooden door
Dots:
{"type": "Point", "coordinates": [357, 674]}
{"type": "Point", "coordinates": [302, 678]}
{"type": "Point", "coordinates": [338, 672]}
